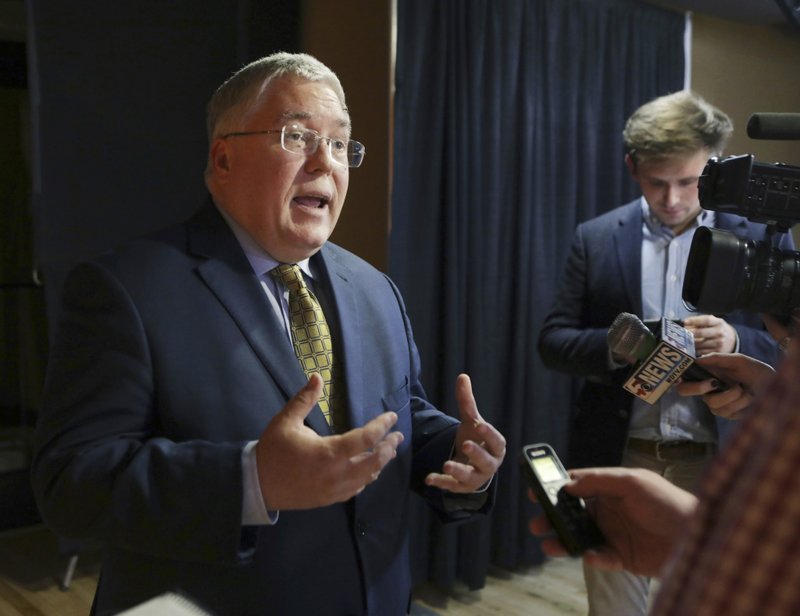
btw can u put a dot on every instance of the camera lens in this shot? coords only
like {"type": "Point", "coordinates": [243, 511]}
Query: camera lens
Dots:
{"type": "Point", "coordinates": [725, 272]}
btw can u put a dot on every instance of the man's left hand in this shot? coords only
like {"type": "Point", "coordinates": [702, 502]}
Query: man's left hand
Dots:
{"type": "Point", "coordinates": [479, 447]}
{"type": "Point", "coordinates": [711, 334]}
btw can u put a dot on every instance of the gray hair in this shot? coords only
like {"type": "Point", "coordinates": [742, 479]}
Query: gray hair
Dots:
{"type": "Point", "coordinates": [239, 93]}
{"type": "Point", "coordinates": [675, 125]}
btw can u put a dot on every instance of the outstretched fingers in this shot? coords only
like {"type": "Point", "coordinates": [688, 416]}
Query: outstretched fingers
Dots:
{"type": "Point", "coordinates": [364, 452]}
{"type": "Point", "coordinates": [369, 436]}
{"type": "Point", "coordinates": [467, 406]}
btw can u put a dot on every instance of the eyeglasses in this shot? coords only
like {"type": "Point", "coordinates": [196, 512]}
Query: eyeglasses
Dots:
{"type": "Point", "coordinates": [304, 141]}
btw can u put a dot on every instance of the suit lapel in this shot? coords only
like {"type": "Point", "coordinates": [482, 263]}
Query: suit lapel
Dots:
{"type": "Point", "coordinates": [344, 306]}
{"type": "Point", "coordinates": [628, 245]}
{"type": "Point", "coordinates": [229, 276]}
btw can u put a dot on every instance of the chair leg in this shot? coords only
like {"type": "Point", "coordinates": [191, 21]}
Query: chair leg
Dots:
{"type": "Point", "coordinates": [71, 564]}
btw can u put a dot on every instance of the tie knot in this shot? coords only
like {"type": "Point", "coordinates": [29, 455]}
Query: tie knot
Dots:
{"type": "Point", "coordinates": [291, 275]}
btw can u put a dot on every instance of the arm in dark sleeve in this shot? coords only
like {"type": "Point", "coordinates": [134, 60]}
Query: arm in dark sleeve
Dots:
{"type": "Point", "coordinates": [434, 434]}
{"type": "Point", "coordinates": [567, 342]}
{"type": "Point", "coordinates": [103, 472]}
{"type": "Point", "coordinates": [756, 342]}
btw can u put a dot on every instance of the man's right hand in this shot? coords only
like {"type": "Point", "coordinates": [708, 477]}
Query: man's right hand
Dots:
{"type": "Point", "coordinates": [299, 469]}
{"type": "Point", "coordinates": [641, 515]}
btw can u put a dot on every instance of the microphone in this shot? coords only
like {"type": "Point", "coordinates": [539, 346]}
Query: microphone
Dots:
{"type": "Point", "coordinates": [777, 126]}
{"type": "Point", "coordinates": [658, 361]}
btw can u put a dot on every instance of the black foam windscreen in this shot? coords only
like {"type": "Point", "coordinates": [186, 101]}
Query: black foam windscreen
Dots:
{"type": "Point", "coordinates": [774, 126]}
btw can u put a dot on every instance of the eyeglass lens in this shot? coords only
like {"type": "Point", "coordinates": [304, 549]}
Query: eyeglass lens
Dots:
{"type": "Point", "coordinates": [306, 141]}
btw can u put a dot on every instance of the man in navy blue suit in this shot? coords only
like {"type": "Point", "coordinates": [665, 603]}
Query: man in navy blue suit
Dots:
{"type": "Point", "coordinates": [632, 259]}
{"type": "Point", "coordinates": [179, 430]}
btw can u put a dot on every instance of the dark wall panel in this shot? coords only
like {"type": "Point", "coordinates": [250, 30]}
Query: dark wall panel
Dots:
{"type": "Point", "coordinates": [118, 94]}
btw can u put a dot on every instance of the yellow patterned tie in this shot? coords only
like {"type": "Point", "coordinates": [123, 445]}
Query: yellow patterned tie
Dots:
{"type": "Point", "coordinates": [311, 336]}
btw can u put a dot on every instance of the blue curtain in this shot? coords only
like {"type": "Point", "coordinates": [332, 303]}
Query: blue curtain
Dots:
{"type": "Point", "coordinates": [508, 121]}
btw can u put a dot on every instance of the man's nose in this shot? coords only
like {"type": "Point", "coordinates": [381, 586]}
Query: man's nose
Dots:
{"type": "Point", "coordinates": [671, 196]}
{"type": "Point", "coordinates": [322, 158]}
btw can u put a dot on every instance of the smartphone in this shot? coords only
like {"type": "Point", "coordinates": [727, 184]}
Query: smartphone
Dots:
{"type": "Point", "coordinates": [567, 514]}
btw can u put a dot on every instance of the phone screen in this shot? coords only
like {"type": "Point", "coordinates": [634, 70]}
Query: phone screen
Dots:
{"type": "Point", "coordinates": [547, 469]}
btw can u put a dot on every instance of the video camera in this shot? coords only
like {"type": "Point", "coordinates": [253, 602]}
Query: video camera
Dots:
{"type": "Point", "coordinates": [725, 272]}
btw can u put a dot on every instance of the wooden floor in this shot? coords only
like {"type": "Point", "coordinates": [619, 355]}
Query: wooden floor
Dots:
{"type": "Point", "coordinates": [31, 569]}
{"type": "Point", "coordinates": [554, 589]}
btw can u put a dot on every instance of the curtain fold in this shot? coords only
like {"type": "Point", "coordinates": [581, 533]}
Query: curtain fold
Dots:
{"type": "Point", "coordinates": [508, 122]}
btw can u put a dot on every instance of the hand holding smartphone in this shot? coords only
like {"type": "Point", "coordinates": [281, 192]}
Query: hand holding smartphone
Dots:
{"type": "Point", "coordinates": [567, 514]}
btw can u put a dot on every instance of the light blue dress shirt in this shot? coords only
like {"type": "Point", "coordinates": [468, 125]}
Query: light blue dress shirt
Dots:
{"type": "Point", "coordinates": [664, 257]}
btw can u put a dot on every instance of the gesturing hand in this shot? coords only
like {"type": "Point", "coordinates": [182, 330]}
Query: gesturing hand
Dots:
{"type": "Point", "coordinates": [299, 469]}
{"type": "Point", "coordinates": [479, 447]}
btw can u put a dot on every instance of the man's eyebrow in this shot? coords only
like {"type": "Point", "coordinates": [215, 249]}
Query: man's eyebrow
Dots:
{"type": "Point", "coordinates": [304, 115]}
{"type": "Point", "coordinates": [295, 115]}
{"type": "Point", "coordinates": [655, 178]}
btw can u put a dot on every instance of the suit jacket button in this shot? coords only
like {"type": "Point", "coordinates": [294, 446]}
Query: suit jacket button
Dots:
{"type": "Point", "coordinates": [362, 528]}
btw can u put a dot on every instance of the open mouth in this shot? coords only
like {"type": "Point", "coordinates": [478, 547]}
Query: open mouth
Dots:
{"type": "Point", "coordinates": [312, 201]}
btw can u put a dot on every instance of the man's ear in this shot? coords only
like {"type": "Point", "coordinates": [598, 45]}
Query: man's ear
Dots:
{"type": "Point", "coordinates": [220, 158]}
{"type": "Point", "coordinates": [631, 164]}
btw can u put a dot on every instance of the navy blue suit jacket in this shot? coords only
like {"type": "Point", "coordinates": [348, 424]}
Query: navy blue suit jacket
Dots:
{"type": "Point", "coordinates": [167, 361]}
{"type": "Point", "coordinates": [602, 278]}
